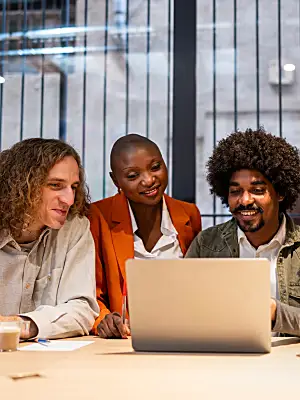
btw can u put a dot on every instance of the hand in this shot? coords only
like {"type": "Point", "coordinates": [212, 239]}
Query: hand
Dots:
{"type": "Point", "coordinates": [33, 330]}
{"type": "Point", "coordinates": [111, 327]}
{"type": "Point", "coordinates": [273, 310]}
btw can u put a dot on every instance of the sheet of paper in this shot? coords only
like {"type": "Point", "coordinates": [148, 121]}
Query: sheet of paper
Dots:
{"type": "Point", "coordinates": [57, 345]}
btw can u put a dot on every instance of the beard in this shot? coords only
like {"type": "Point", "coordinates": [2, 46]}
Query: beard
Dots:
{"type": "Point", "coordinates": [249, 226]}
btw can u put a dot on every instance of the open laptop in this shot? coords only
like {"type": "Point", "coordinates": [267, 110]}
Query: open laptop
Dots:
{"type": "Point", "coordinates": [200, 305]}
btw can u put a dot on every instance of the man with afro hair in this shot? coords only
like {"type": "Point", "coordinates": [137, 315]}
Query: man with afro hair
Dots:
{"type": "Point", "coordinates": [257, 175]}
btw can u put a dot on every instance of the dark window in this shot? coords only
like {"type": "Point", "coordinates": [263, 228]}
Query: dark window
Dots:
{"type": "Point", "coordinates": [24, 36]}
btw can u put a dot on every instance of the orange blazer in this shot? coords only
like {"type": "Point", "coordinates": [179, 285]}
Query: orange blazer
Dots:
{"type": "Point", "coordinates": [112, 231]}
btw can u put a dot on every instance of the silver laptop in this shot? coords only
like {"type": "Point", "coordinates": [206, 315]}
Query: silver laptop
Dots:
{"type": "Point", "coordinates": [200, 305]}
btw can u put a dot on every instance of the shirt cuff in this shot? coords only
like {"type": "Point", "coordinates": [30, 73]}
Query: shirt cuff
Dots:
{"type": "Point", "coordinates": [43, 322]}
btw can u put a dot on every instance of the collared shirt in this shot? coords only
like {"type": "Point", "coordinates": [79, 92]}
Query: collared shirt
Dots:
{"type": "Point", "coordinates": [166, 247]}
{"type": "Point", "coordinates": [51, 281]}
{"type": "Point", "coordinates": [269, 251]}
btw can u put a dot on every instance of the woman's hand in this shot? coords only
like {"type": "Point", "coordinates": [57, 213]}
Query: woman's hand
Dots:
{"type": "Point", "coordinates": [112, 327]}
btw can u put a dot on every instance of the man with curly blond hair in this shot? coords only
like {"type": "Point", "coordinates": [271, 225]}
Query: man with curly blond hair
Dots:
{"type": "Point", "coordinates": [257, 175]}
{"type": "Point", "coordinates": [47, 260]}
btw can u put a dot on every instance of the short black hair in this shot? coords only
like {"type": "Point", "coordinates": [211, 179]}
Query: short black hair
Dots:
{"type": "Point", "coordinates": [127, 143]}
{"type": "Point", "coordinates": [257, 150]}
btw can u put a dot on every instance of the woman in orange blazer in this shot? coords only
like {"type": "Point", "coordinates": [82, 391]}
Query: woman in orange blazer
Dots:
{"type": "Point", "coordinates": [138, 222]}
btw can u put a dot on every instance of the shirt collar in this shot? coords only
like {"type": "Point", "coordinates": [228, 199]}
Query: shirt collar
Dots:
{"type": "Point", "coordinates": [167, 227]}
{"type": "Point", "coordinates": [5, 238]}
{"type": "Point", "coordinates": [279, 237]}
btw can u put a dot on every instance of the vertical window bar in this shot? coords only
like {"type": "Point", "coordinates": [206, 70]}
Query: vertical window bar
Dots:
{"type": "Point", "coordinates": [62, 105]}
{"type": "Point", "coordinates": [184, 100]}
{"type": "Point", "coordinates": [235, 64]}
{"type": "Point", "coordinates": [105, 98]}
{"type": "Point", "coordinates": [279, 67]}
{"type": "Point", "coordinates": [127, 68]}
{"type": "Point", "coordinates": [214, 95]}
{"type": "Point", "coordinates": [24, 42]}
{"type": "Point", "coordinates": [257, 64]}
{"type": "Point", "coordinates": [63, 85]}
{"type": "Point", "coordinates": [43, 70]}
{"type": "Point", "coordinates": [84, 82]}
{"type": "Point", "coordinates": [2, 65]}
{"type": "Point", "coordinates": [169, 89]}
{"type": "Point", "coordinates": [30, 20]}
{"type": "Point", "coordinates": [148, 70]}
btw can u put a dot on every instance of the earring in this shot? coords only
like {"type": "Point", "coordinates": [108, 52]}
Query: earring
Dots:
{"type": "Point", "coordinates": [119, 190]}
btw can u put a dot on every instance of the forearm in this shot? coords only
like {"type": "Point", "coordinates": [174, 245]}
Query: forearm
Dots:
{"type": "Point", "coordinates": [287, 319]}
{"type": "Point", "coordinates": [74, 318]}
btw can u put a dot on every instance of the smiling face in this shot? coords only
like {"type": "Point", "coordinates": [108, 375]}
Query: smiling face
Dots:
{"type": "Point", "coordinates": [253, 201]}
{"type": "Point", "coordinates": [140, 172]}
{"type": "Point", "coordinates": [58, 194]}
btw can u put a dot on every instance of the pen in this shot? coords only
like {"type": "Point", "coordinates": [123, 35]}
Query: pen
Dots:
{"type": "Point", "coordinates": [124, 299]}
{"type": "Point", "coordinates": [43, 342]}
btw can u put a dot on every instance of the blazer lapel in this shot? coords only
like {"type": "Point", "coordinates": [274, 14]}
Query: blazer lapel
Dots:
{"type": "Point", "coordinates": [181, 222]}
{"type": "Point", "coordinates": [122, 235]}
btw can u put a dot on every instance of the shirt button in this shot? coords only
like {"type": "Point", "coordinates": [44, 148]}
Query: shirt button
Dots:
{"type": "Point", "coordinates": [27, 286]}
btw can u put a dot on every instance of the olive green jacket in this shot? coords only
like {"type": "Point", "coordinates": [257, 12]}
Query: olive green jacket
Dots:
{"type": "Point", "coordinates": [221, 241]}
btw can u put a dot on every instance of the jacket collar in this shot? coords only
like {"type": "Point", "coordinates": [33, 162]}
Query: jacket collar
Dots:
{"type": "Point", "coordinates": [181, 222]}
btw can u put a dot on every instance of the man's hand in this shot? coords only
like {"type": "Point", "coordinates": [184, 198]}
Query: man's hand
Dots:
{"type": "Point", "coordinates": [33, 330]}
{"type": "Point", "coordinates": [273, 310]}
{"type": "Point", "coordinates": [111, 327]}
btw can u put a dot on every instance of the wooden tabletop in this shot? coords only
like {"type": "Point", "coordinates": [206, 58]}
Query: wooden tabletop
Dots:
{"type": "Point", "coordinates": [110, 369]}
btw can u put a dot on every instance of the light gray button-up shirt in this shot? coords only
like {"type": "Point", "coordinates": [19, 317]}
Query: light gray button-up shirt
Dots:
{"type": "Point", "coordinates": [53, 283]}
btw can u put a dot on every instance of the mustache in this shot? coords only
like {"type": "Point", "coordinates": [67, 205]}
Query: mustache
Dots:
{"type": "Point", "coordinates": [251, 207]}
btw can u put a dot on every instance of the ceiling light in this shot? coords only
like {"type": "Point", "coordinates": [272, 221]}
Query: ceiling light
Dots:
{"type": "Point", "coordinates": [289, 67]}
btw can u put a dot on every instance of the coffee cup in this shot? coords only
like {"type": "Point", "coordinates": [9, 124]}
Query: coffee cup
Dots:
{"type": "Point", "coordinates": [10, 335]}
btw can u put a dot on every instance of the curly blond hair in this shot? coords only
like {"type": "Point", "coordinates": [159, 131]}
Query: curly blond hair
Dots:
{"type": "Point", "coordinates": [24, 169]}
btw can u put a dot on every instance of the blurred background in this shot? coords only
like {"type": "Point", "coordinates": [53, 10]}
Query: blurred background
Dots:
{"type": "Point", "coordinates": [183, 73]}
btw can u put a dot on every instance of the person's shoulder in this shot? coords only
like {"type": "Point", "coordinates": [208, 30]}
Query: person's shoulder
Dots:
{"type": "Point", "coordinates": [103, 205]}
{"type": "Point", "coordinates": [212, 230]}
{"type": "Point", "coordinates": [74, 229]}
{"type": "Point", "coordinates": [188, 207]}
{"type": "Point", "coordinates": [216, 231]}
{"type": "Point", "coordinates": [292, 230]}
{"type": "Point", "coordinates": [75, 223]}
{"type": "Point", "coordinates": [297, 229]}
